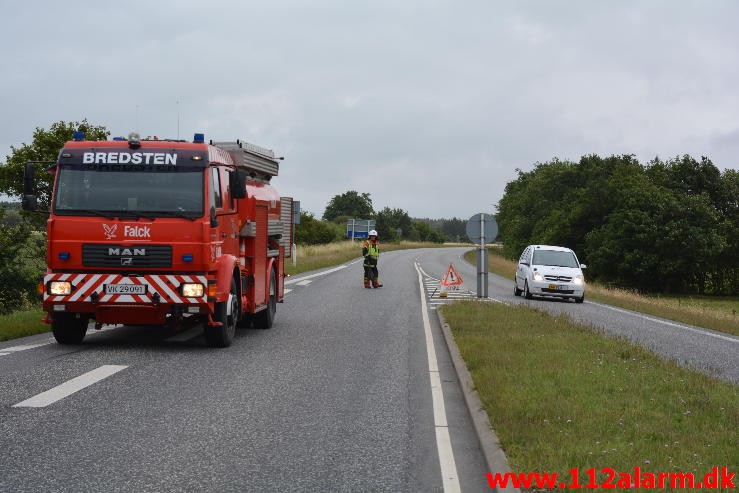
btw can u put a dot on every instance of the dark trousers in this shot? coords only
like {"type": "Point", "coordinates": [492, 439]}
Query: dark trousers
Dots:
{"type": "Point", "coordinates": [370, 272]}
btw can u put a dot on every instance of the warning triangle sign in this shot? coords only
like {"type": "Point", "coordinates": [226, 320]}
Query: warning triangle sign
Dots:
{"type": "Point", "coordinates": [452, 277]}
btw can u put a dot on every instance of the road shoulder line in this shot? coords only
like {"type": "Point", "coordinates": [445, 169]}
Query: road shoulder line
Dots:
{"type": "Point", "coordinates": [494, 455]}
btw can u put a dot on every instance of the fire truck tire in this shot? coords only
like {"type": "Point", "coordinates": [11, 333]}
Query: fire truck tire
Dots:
{"type": "Point", "coordinates": [223, 335]}
{"type": "Point", "coordinates": [67, 328]}
{"type": "Point", "coordinates": [266, 318]}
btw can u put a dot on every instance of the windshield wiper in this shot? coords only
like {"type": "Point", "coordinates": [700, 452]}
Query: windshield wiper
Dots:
{"type": "Point", "coordinates": [106, 214]}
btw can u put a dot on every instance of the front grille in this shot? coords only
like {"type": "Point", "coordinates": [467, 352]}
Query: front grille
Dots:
{"type": "Point", "coordinates": [558, 278]}
{"type": "Point", "coordinates": [126, 256]}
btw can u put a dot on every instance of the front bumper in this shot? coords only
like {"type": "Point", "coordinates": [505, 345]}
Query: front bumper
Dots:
{"type": "Point", "coordinates": [151, 299]}
{"type": "Point", "coordinates": [557, 289]}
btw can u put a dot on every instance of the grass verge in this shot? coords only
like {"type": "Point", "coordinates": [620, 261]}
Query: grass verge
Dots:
{"type": "Point", "coordinates": [22, 323]}
{"type": "Point", "coordinates": [561, 395]}
{"type": "Point", "coordinates": [711, 312]}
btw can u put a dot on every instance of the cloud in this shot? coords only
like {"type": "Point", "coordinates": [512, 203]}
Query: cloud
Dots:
{"type": "Point", "coordinates": [428, 105]}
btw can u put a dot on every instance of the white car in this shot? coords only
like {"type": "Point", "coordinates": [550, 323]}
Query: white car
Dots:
{"type": "Point", "coordinates": [545, 270]}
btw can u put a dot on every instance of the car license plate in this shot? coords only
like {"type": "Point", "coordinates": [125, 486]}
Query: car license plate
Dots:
{"type": "Point", "coordinates": [558, 287]}
{"type": "Point", "coordinates": [125, 289]}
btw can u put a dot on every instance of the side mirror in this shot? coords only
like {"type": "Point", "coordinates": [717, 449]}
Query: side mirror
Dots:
{"type": "Point", "coordinates": [237, 184]}
{"type": "Point", "coordinates": [583, 266]}
{"type": "Point", "coordinates": [29, 203]}
{"type": "Point", "coordinates": [30, 200]}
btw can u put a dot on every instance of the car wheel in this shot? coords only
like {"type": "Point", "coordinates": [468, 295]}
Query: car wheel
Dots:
{"type": "Point", "coordinates": [516, 291]}
{"type": "Point", "coordinates": [526, 293]}
{"type": "Point", "coordinates": [580, 299]}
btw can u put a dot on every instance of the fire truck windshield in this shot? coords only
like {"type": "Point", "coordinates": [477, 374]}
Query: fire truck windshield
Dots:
{"type": "Point", "coordinates": [159, 192]}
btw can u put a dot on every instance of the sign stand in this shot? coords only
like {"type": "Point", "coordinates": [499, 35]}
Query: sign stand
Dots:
{"type": "Point", "coordinates": [483, 229]}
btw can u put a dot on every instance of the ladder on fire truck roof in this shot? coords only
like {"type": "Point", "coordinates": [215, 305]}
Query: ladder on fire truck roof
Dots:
{"type": "Point", "coordinates": [252, 157]}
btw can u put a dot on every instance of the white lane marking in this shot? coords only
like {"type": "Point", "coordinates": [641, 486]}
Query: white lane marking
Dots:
{"type": "Point", "coordinates": [304, 282]}
{"type": "Point", "coordinates": [4, 354]}
{"type": "Point", "coordinates": [449, 476]}
{"type": "Point", "coordinates": [672, 324]}
{"type": "Point", "coordinates": [15, 349]}
{"type": "Point", "coordinates": [71, 386]}
{"type": "Point", "coordinates": [293, 281]}
{"type": "Point", "coordinates": [288, 290]}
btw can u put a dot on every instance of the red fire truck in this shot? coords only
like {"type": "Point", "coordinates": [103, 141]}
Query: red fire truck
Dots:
{"type": "Point", "coordinates": [162, 232]}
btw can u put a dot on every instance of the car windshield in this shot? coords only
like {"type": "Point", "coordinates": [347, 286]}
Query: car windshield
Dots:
{"type": "Point", "coordinates": [557, 258]}
{"type": "Point", "coordinates": [146, 193]}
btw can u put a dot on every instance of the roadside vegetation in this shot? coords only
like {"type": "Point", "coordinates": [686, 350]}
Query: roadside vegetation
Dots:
{"type": "Point", "coordinates": [311, 257]}
{"type": "Point", "coordinates": [660, 227]}
{"type": "Point", "coordinates": [719, 313]}
{"type": "Point", "coordinates": [22, 323]}
{"type": "Point", "coordinates": [562, 395]}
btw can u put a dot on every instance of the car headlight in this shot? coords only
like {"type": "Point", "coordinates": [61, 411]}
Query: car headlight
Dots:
{"type": "Point", "coordinates": [579, 280]}
{"type": "Point", "coordinates": [192, 290]}
{"type": "Point", "coordinates": [538, 276]}
{"type": "Point", "coordinates": [60, 288]}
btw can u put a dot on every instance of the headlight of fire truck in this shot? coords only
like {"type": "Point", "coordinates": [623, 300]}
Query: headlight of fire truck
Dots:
{"type": "Point", "coordinates": [192, 290]}
{"type": "Point", "coordinates": [60, 288]}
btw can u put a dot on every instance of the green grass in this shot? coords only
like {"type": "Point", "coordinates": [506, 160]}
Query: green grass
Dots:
{"type": "Point", "coordinates": [561, 395]}
{"type": "Point", "coordinates": [711, 312]}
{"type": "Point", "coordinates": [22, 323]}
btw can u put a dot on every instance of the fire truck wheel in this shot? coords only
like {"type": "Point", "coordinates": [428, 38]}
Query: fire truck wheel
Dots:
{"type": "Point", "coordinates": [265, 318]}
{"type": "Point", "coordinates": [67, 328]}
{"type": "Point", "coordinates": [223, 336]}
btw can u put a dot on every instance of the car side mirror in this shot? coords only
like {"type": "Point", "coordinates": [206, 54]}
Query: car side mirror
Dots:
{"type": "Point", "coordinates": [583, 266]}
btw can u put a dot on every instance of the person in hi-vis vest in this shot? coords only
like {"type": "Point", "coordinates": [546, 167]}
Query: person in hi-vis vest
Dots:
{"type": "Point", "coordinates": [371, 252]}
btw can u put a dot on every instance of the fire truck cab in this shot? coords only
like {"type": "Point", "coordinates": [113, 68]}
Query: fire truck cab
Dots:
{"type": "Point", "coordinates": [163, 232]}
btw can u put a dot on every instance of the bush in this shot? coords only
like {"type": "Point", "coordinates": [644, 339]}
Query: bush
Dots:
{"type": "Point", "coordinates": [311, 231]}
{"type": "Point", "coordinates": [21, 264]}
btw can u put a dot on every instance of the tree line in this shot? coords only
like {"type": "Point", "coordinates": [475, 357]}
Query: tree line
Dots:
{"type": "Point", "coordinates": [664, 226]}
{"type": "Point", "coordinates": [392, 224]}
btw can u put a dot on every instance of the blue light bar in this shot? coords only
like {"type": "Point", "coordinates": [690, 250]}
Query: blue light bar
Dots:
{"type": "Point", "coordinates": [64, 255]}
{"type": "Point", "coordinates": [78, 135]}
{"type": "Point", "coordinates": [199, 138]}
{"type": "Point", "coordinates": [187, 257]}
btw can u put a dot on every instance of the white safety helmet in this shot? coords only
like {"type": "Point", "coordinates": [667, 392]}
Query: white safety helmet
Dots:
{"type": "Point", "coordinates": [372, 233]}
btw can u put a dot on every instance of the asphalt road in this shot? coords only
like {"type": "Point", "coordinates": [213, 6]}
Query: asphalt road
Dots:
{"type": "Point", "coordinates": [336, 397]}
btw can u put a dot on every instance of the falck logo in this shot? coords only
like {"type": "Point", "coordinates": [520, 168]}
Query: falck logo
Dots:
{"type": "Point", "coordinates": [110, 231]}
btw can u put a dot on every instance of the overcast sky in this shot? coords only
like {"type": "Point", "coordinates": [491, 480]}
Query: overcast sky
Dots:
{"type": "Point", "coordinates": [429, 106]}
